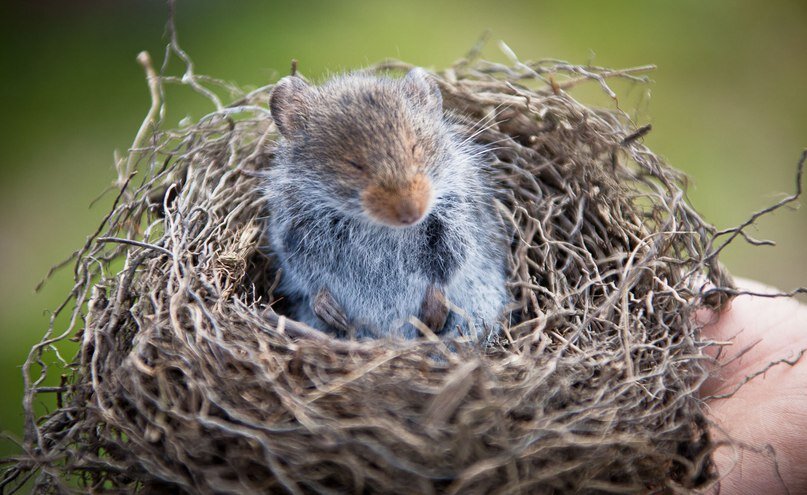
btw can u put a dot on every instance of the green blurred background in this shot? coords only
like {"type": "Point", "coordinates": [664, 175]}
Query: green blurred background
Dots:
{"type": "Point", "coordinates": [728, 105]}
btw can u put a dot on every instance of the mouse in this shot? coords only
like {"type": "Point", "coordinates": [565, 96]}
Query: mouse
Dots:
{"type": "Point", "coordinates": [380, 215]}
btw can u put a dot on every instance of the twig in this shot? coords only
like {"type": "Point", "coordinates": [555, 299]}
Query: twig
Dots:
{"type": "Point", "coordinates": [144, 59]}
{"type": "Point", "coordinates": [136, 243]}
{"type": "Point", "coordinates": [637, 134]}
{"type": "Point", "coordinates": [737, 231]}
{"type": "Point", "coordinates": [788, 361]}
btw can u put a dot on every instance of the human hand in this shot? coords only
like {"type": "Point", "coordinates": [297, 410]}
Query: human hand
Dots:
{"type": "Point", "coordinates": [767, 416]}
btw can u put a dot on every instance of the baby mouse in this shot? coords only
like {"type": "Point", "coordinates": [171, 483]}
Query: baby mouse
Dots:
{"type": "Point", "coordinates": [378, 211]}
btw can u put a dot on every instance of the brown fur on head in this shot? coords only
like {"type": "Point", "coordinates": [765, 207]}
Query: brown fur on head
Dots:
{"type": "Point", "coordinates": [369, 142]}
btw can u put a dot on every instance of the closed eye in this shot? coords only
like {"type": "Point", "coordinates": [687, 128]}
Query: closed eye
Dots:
{"type": "Point", "coordinates": [355, 165]}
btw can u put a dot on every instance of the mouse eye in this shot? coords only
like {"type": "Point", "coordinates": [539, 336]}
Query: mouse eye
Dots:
{"type": "Point", "coordinates": [355, 165]}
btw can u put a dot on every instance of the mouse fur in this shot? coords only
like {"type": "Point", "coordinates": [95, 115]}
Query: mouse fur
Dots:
{"type": "Point", "coordinates": [376, 197]}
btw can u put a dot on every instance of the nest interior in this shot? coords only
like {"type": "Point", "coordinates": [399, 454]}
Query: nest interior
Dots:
{"type": "Point", "coordinates": [190, 379]}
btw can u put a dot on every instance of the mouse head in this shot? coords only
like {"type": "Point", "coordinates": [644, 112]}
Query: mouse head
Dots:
{"type": "Point", "coordinates": [369, 145]}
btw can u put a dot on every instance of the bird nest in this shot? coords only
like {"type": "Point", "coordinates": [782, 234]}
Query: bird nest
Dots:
{"type": "Point", "coordinates": [190, 379]}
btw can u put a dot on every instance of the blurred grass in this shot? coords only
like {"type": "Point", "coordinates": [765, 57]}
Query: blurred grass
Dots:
{"type": "Point", "coordinates": [728, 105]}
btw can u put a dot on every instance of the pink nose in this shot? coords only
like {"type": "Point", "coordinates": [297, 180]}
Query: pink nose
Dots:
{"type": "Point", "coordinates": [408, 211]}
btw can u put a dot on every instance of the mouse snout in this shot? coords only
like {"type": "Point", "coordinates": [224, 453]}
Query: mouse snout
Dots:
{"type": "Point", "coordinates": [409, 210]}
{"type": "Point", "coordinates": [399, 206]}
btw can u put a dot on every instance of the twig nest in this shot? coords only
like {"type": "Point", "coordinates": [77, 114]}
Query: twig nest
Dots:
{"type": "Point", "coordinates": [189, 378]}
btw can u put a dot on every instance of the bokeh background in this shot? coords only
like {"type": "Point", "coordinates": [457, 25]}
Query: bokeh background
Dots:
{"type": "Point", "coordinates": [728, 105]}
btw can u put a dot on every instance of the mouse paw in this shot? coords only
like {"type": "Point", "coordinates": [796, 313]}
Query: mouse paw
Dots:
{"type": "Point", "coordinates": [329, 311]}
{"type": "Point", "coordinates": [433, 309]}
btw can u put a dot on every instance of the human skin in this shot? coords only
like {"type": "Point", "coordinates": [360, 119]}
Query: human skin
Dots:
{"type": "Point", "coordinates": [767, 416]}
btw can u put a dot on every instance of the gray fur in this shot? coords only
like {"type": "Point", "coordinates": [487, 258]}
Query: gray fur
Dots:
{"type": "Point", "coordinates": [324, 239]}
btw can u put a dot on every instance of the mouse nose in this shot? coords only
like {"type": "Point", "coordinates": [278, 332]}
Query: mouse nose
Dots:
{"type": "Point", "coordinates": [400, 205]}
{"type": "Point", "coordinates": [409, 210]}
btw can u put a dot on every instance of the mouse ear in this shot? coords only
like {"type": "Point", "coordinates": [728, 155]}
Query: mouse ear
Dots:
{"type": "Point", "coordinates": [289, 105]}
{"type": "Point", "coordinates": [421, 86]}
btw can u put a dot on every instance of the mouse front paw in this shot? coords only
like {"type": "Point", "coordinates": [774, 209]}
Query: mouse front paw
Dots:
{"type": "Point", "coordinates": [329, 311]}
{"type": "Point", "coordinates": [433, 309]}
